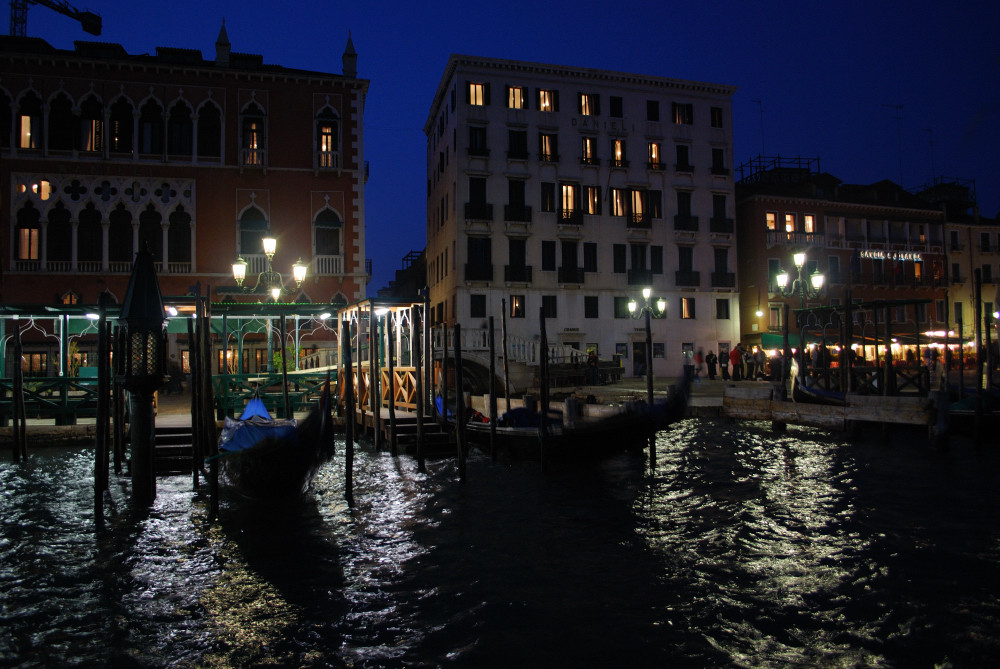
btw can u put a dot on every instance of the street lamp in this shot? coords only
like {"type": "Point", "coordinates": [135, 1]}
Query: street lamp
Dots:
{"type": "Point", "coordinates": [647, 311]}
{"type": "Point", "coordinates": [803, 288]}
{"type": "Point", "coordinates": [268, 281]}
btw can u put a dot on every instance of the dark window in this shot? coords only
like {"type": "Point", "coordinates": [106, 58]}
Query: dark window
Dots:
{"type": "Point", "coordinates": [616, 106]}
{"type": "Point", "coordinates": [721, 260]}
{"type": "Point", "coordinates": [683, 158]}
{"type": "Point", "coordinates": [180, 130]}
{"type": "Point", "coordinates": [716, 117]}
{"type": "Point", "coordinates": [654, 200]}
{"type": "Point", "coordinates": [548, 196]}
{"type": "Point", "coordinates": [151, 128]}
{"type": "Point", "coordinates": [61, 123]}
{"type": "Point", "coordinates": [549, 306]}
{"type": "Point", "coordinates": [120, 127]}
{"type": "Point", "coordinates": [209, 132]}
{"type": "Point", "coordinates": [151, 232]}
{"type": "Point", "coordinates": [589, 256]}
{"type": "Point", "coordinates": [685, 258]}
{"type": "Point", "coordinates": [477, 141]}
{"type": "Point", "coordinates": [517, 254]}
{"type": "Point", "coordinates": [619, 252]}
{"type": "Point", "coordinates": [6, 118]}
{"type": "Point", "coordinates": [590, 306]}
{"type": "Point", "coordinates": [656, 259]}
{"type": "Point", "coordinates": [477, 306]}
{"type": "Point", "coordinates": [59, 235]}
{"type": "Point", "coordinates": [517, 144]}
{"type": "Point", "coordinates": [120, 235]}
{"type": "Point", "coordinates": [253, 228]}
{"type": "Point", "coordinates": [89, 235]}
{"type": "Point", "coordinates": [479, 251]}
{"type": "Point", "coordinates": [621, 307]}
{"type": "Point", "coordinates": [179, 236]}
{"type": "Point", "coordinates": [548, 256]}
{"type": "Point", "coordinates": [652, 110]}
{"type": "Point", "coordinates": [515, 193]}
{"type": "Point", "coordinates": [328, 228]}
{"type": "Point", "coordinates": [477, 190]}
{"type": "Point", "coordinates": [722, 308]}
{"type": "Point", "coordinates": [91, 125]}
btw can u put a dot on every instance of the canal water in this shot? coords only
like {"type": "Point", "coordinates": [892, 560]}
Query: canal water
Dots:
{"type": "Point", "coordinates": [738, 547]}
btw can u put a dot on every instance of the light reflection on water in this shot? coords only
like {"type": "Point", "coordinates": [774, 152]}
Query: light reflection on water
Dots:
{"type": "Point", "coordinates": [740, 547]}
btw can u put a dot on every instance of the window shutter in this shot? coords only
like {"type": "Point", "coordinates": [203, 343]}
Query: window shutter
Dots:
{"type": "Point", "coordinates": [596, 111]}
{"type": "Point", "coordinates": [524, 96]}
{"type": "Point", "coordinates": [579, 103]}
{"type": "Point", "coordinates": [538, 98]}
{"type": "Point", "coordinates": [555, 101]}
{"type": "Point", "coordinates": [468, 93]}
{"type": "Point", "coordinates": [486, 93]}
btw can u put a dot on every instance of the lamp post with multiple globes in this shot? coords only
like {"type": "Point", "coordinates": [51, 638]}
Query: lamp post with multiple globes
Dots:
{"type": "Point", "coordinates": [647, 310]}
{"type": "Point", "coordinates": [810, 288]}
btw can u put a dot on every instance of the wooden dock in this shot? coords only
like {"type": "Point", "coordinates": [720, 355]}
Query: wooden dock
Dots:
{"type": "Point", "coordinates": [749, 402]}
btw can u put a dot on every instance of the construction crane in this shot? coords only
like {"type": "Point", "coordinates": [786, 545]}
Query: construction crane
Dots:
{"type": "Point", "coordinates": [90, 21]}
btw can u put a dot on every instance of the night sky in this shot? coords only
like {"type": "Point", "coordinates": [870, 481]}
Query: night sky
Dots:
{"type": "Point", "coordinates": [901, 90]}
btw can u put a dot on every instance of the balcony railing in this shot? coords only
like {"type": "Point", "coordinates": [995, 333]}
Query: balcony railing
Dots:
{"type": "Point", "coordinates": [327, 159]}
{"type": "Point", "coordinates": [589, 160]}
{"type": "Point", "coordinates": [686, 223]}
{"type": "Point", "coordinates": [570, 275]}
{"type": "Point", "coordinates": [478, 211]}
{"type": "Point", "coordinates": [621, 163]}
{"type": "Point", "coordinates": [478, 271]}
{"type": "Point", "coordinates": [517, 273]}
{"type": "Point", "coordinates": [517, 213]}
{"type": "Point", "coordinates": [656, 166]}
{"type": "Point", "coordinates": [517, 154]}
{"type": "Point", "coordinates": [639, 277]}
{"type": "Point", "coordinates": [548, 157]}
{"type": "Point", "coordinates": [328, 265]}
{"type": "Point", "coordinates": [687, 278]}
{"type": "Point", "coordinates": [479, 151]}
{"type": "Point", "coordinates": [956, 247]}
{"type": "Point", "coordinates": [720, 225]}
{"type": "Point", "coordinates": [571, 217]}
{"type": "Point", "coordinates": [781, 238]}
{"type": "Point", "coordinates": [720, 171]}
{"type": "Point", "coordinates": [723, 279]}
{"type": "Point", "coordinates": [685, 167]}
{"type": "Point", "coordinates": [253, 157]}
{"type": "Point", "coordinates": [639, 221]}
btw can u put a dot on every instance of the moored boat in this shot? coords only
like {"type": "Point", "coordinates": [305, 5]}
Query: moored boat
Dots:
{"type": "Point", "coordinates": [267, 458]}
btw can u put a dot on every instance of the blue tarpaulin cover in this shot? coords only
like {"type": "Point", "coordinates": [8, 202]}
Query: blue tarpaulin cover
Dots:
{"type": "Point", "coordinates": [253, 426]}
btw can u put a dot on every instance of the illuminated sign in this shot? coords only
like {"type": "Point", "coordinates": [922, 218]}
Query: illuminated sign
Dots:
{"type": "Point", "coordinates": [891, 255]}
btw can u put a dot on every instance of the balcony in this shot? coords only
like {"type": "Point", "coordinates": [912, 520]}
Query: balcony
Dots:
{"type": "Point", "coordinates": [478, 211]}
{"type": "Point", "coordinates": [639, 221]}
{"type": "Point", "coordinates": [517, 154]}
{"type": "Point", "coordinates": [571, 217]}
{"type": "Point", "coordinates": [548, 157]}
{"type": "Point", "coordinates": [480, 151]}
{"type": "Point", "coordinates": [781, 238]}
{"type": "Point", "coordinates": [478, 271]}
{"type": "Point", "coordinates": [585, 160]}
{"type": "Point", "coordinates": [684, 167]}
{"type": "Point", "coordinates": [656, 166]}
{"type": "Point", "coordinates": [720, 225]}
{"type": "Point", "coordinates": [619, 163]}
{"type": "Point", "coordinates": [958, 279]}
{"type": "Point", "coordinates": [686, 223]}
{"type": "Point", "coordinates": [687, 278]}
{"type": "Point", "coordinates": [720, 171]}
{"type": "Point", "coordinates": [325, 159]}
{"type": "Point", "coordinates": [955, 247]}
{"type": "Point", "coordinates": [639, 277]}
{"type": "Point", "coordinates": [570, 275]}
{"type": "Point", "coordinates": [723, 279]}
{"type": "Point", "coordinates": [517, 213]}
{"type": "Point", "coordinates": [517, 273]}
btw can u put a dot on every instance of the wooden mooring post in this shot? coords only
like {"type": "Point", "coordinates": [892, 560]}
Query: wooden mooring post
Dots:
{"type": "Point", "coordinates": [459, 403]}
{"type": "Point", "coordinates": [390, 348]}
{"type": "Point", "coordinates": [493, 393]}
{"type": "Point", "coordinates": [350, 424]}
{"type": "Point", "coordinates": [543, 370]}
{"type": "Point", "coordinates": [19, 423]}
{"type": "Point", "coordinates": [415, 323]}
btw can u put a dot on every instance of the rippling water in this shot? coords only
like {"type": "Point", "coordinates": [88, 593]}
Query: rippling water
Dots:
{"type": "Point", "coordinates": [739, 547]}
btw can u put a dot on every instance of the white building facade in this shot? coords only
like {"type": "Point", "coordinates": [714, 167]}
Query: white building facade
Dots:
{"type": "Point", "coordinates": [569, 190]}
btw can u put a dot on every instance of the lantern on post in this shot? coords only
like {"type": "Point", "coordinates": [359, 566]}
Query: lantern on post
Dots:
{"type": "Point", "coordinates": [142, 323]}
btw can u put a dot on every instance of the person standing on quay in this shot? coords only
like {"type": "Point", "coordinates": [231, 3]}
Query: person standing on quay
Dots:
{"type": "Point", "coordinates": [736, 358]}
{"type": "Point", "coordinates": [724, 363]}
{"type": "Point", "coordinates": [711, 360]}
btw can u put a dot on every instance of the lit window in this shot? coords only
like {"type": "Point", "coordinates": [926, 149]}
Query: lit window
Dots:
{"type": "Point", "coordinates": [28, 140]}
{"type": "Point", "coordinates": [27, 243]}
{"type": "Point", "coordinates": [654, 154]}
{"type": "Point", "coordinates": [547, 101]}
{"type": "Point", "coordinates": [808, 223]}
{"type": "Point", "coordinates": [619, 153]}
{"type": "Point", "coordinates": [772, 220]}
{"type": "Point", "coordinates": [774, 318]}
{"type": "Point", "coordinates": [517, 306]}
{"type": "Point", "coordinates": [683, 113]}
{"type": "Point", "coordinates": [477, 94]}
{"type": "Point", "coordinates": [568, 200]}
{"type": "Point", "coordinates": [589, 105]}
{"type": "Point", "coordinates": [325, 145]}
{"type": "Point", "coordinates": [687, 307]}
{"type": "Point", "coordinates": [547, 147]}
{"type": "Point", "coordinates": [593, 200]}
{"type": "Point", "coordinates": [43, 189]}
{"type": "Point", "coordinates": [638, 197]}
{"type": "Point", "coordinates": [617, 202]}
{"type": "Point", "coordinates": [789, 222]}
{"type": "Point", "coordinates": [515, 97]}
{"type": "Point", "coordinates": [588, 153]}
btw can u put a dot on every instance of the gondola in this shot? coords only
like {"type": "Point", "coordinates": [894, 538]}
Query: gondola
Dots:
{"type": "Point", "coordinates": [521, 432]}
{"type": "Point", "coordinates": [812, 394]}
{"type": "Point", "coordinates": [267, 458]}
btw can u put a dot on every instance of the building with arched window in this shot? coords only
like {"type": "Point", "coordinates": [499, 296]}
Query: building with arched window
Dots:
{"type": "Point", "coordinates": [103, 153]}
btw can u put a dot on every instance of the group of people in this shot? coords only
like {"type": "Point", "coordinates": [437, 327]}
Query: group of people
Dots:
{"type": "Point", "coordinates": [740, 363]}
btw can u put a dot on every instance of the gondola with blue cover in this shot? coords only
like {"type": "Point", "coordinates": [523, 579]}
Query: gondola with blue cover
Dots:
{"type": "Point", "coordinates": [267, 458]}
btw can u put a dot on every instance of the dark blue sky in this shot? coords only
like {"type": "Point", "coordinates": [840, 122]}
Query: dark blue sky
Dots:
{"type": "Point", "coordinates": [830, 77]}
